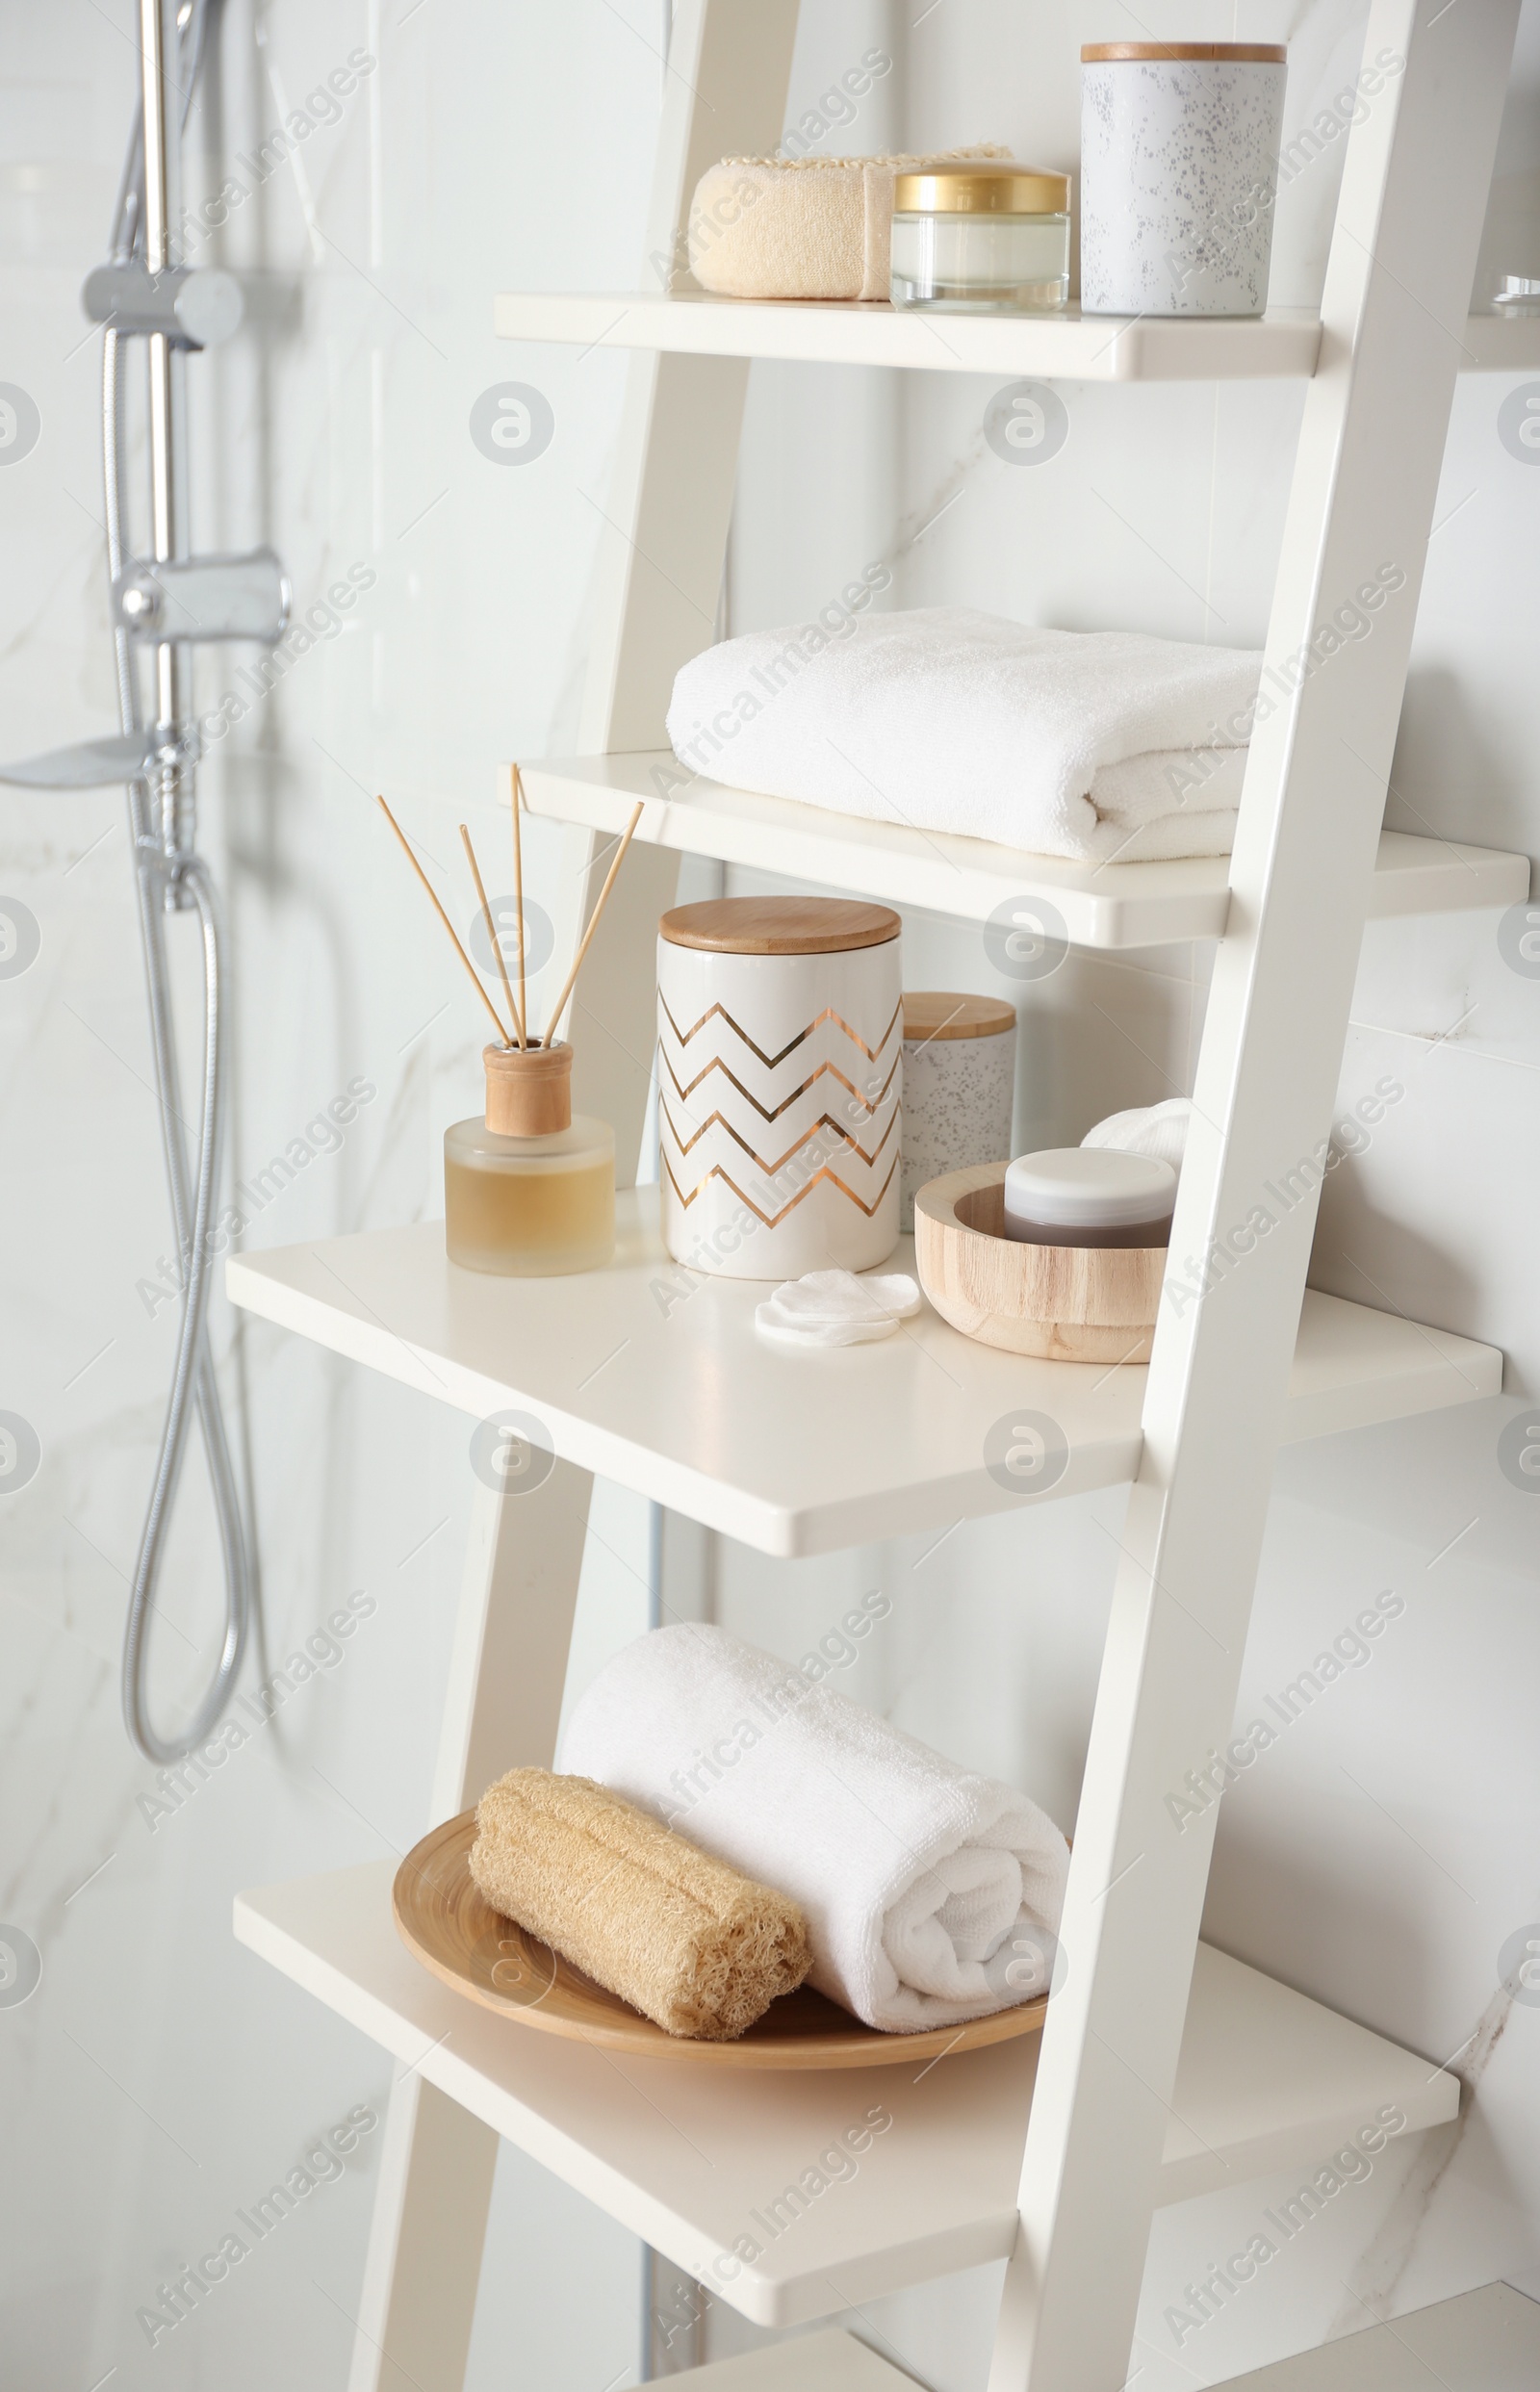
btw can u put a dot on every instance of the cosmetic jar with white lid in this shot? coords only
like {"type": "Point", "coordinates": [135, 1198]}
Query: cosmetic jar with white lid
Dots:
{"type": "Point", "coordinates": [1090, 1195]}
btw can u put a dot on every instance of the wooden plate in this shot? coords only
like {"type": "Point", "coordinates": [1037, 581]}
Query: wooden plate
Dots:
{"type": "Point", "coordinates": [445, 1921]}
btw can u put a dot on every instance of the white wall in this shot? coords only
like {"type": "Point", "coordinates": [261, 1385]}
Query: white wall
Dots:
{"type": "Point", "coordinates": [1379, 1858]}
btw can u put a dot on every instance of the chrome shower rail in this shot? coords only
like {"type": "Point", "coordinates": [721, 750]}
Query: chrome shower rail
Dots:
{"type": "Point", "coordinates": [169, 875]}
{"type": "Point", "coordinates": [164, 603]}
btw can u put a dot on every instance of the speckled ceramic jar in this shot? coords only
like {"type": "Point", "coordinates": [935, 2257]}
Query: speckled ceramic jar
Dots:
{"type": "Point", "coordinates": [1178, 174]}
{"type": "Point", "coordinates": [959, 1076]}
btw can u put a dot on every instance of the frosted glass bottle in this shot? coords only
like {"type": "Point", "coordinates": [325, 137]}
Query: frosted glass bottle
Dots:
{"type": "Point", "coordinates": [530, 1190]}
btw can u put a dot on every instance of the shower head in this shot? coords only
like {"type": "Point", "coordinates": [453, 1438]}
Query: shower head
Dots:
{"type": "Point", "coordinates": [90, 764]}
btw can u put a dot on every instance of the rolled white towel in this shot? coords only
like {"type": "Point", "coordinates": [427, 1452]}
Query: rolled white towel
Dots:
{"type": "Point", "coordinates": [1159, 1129]}
{"type": "Point", "coordinates": [931, 1894]}
{"type": "Point", "coordinates": [1068, 743]}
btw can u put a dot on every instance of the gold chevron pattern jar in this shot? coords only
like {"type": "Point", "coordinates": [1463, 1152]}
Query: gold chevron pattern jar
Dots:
{"type": "Point", "coordinates": [781, 1066]}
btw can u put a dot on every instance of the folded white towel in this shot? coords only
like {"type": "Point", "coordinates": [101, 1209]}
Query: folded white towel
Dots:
{"type": "Point", "coordinates": [1159, 1129]}
{"type": "Point", "coordinates": [952, 720]}
{"type": "Point", "coordinates": [931, 1894]}
{"type": "Point", "coordinates": [837, 1308]}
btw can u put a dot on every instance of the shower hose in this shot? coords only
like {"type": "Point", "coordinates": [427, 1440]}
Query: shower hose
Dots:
{"type": "Point", "coordinates": [167, 882]}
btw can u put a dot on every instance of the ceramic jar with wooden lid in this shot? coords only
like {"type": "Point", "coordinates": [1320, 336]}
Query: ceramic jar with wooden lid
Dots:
{"type": "Point", "coordinates": [959, 1076]}
{"type": "Point", "coordinates": [781, 1060]}
{"type": "Point", "coordinates": [1179, 175]}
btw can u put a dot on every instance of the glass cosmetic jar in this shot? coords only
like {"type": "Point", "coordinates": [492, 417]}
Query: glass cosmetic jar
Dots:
{"type": "Point", "coordinates": [1519, 296]}
{"type": "Point", "coordinates": [978, 240]}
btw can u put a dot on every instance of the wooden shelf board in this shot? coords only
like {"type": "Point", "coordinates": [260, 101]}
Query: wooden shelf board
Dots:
{"type": "Point", "coordinates": [1286, 342]}
{"type": "Point", "coordinates": [661, 1383]}
{"type": "Point", "coordinates": [1483, 2341]}
{"type": "Point", "coordinates": [693, 2159]}
{"type": "Point", "coordinates": [1107, 905]}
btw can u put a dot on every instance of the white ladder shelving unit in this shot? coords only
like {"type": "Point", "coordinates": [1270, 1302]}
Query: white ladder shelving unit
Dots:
{"type": "Point", "coordinates": [1165, 2069]}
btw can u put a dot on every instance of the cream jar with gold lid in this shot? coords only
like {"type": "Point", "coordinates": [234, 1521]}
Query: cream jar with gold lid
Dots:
{"type": "Point", "coordinates": [982, 239]}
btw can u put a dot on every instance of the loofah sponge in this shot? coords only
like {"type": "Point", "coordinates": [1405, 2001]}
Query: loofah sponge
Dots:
{"type": "Point", "coordinates": [697, 1948]}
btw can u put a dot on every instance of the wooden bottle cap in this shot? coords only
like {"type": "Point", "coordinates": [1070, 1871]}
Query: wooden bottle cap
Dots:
{"type": "Point", "coordinates": [932, 1013]}
{"type": "Point", "coordinates": [779, 925]}
{"type": "Point", "coordinates": [528, 1091]}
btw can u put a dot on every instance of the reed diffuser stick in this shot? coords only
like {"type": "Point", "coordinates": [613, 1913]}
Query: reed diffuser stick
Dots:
{"type": "Point", "coordinates": [518, 886]}
{"type": "Point", "coordinates": [593, 922]}
{"type": "Point", "coordinates": [504, 1037]}
{"type": "Point", "coordinates": [491, 933]}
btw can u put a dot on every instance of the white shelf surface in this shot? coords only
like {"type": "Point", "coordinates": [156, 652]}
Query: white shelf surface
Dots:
{"type": "Point", "coordinates": [691, 2158]}
{"type": "Point", "coordinates": [1102, 905]}
{"type": "Point", "coordinates": [1286, 342]}
{"type": "Point", "coordinates": [661, 1384]}
{"type": "Point", "coordinates": [826, 2362]}
{"type": "Point", "coordinates": [1485, 2341]}
{"type": "Point", "coordinates": [868, 332]}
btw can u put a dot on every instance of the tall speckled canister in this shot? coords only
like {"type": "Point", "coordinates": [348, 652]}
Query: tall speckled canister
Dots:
{"type": "Point", "coordinates": [1178, 176]}
{"type": "Point", "coordinates": [781, 1070]}
{"type": "Point", "coordinates": [960, 1078]}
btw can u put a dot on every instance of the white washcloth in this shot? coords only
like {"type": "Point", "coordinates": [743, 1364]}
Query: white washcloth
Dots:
{"type": "Point", "coordinates": [836, 1308]}
{"type": "Point", "coordinates": [1159, 1129]}
{"type": "Point", "coordinates": [933, 1895]}
{"type": "Point", "coordinates": [952, 720]}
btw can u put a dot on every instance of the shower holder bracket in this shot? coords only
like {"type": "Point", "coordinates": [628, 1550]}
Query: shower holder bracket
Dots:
{"type": "Point", "coordinates": [205, 598]}
{"type": "Point", "coordinates": [193, 306]}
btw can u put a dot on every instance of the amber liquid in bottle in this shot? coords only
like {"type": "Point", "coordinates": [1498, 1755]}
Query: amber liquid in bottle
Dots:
{"type": "Point", "coordinates": [531, 1206]}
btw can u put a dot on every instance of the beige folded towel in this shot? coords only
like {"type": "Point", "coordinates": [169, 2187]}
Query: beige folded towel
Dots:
{"type": "Point", "coordinates": [690, 1943]}
{"type": "Point", "coordinates": [802, 228]}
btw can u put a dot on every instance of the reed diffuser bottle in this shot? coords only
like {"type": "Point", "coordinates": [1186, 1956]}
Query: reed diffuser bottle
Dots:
{"type": "Point", "coordinates": [530, 1190]}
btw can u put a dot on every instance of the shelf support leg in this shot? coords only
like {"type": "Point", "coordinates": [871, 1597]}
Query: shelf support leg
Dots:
{"type": "Point", "coordinates": [664, 537]}
{"type": "Point", "coordinates": [1365, 478]}
{"type": "Point", "coordinates": [507, 1668]}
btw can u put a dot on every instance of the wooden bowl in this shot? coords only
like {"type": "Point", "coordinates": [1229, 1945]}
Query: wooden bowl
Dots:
{"type": "Point", "coordinates": [1063, 1303]}
{"type": "Point", "coordinates": [449, 1925]}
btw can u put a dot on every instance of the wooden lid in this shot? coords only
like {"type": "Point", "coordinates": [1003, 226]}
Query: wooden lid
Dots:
{"type": "Point", "coordinates": [779, 925]}
{"type": "Point", "coordinates": [1228, 53]}
{"type": "Point", "coordinates": [941, 1013]}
